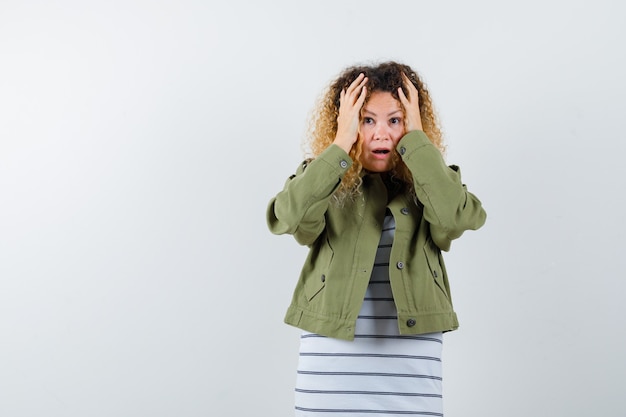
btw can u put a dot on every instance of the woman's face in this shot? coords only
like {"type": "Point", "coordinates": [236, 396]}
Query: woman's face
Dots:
{"type": "Point", "coordinates": [381, 129]}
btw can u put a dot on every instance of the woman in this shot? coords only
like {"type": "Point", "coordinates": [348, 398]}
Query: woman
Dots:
{"type": "Point", "coordinates": [376, 205]}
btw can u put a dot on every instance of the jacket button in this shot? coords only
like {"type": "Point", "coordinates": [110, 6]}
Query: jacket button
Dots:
{"type": "Point", "coordinates": [435, 273]}
{"type": "Point", "coordinates": [323, 278]}
{"type": "Point", "coordinates": [343, 163]}
{"type": "Point", "coordinates": [400, 265]}
{"type": "Point", "coordinates": [402, 150]}
{"type": "Point", "coordinates": [404, 210]}
{"type": "Point", "coordinates": [410, 322]}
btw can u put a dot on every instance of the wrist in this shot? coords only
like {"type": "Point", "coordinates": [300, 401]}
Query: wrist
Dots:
{"type": "Point", "coordinates": [344, 144]}
{"type": "Point", "coordinates": [414, 126]}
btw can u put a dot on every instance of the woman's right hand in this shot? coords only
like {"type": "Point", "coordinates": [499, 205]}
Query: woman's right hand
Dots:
{"type": "Point", "coordinates": [350, 102]}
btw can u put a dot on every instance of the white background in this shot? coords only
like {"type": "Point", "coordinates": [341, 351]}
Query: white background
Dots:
{"type": "Point", "coordinates": [140, 142]}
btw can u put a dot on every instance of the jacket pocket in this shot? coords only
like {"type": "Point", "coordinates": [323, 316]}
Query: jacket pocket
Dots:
{"type": "Point", "coordinates": [316, 281]}
{"type": "Point", "coordinates": [314, 286]}
{"type": "Point", "coordinates": [436, 271]}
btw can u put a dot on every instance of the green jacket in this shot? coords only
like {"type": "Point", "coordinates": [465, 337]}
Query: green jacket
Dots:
{"type": "Point", "coordinates": [343, 239]}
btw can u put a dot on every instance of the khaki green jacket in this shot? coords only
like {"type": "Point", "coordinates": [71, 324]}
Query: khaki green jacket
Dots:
{"type": "Point", "coordinates": [343, 239]}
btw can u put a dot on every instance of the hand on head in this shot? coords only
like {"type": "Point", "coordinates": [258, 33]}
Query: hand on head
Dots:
{"type": "Point", "coordinates": [350, 102]}
{"type": "Point", "coordinates": [411, 105]}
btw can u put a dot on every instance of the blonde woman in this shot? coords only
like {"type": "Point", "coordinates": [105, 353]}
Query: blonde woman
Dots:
{"type": "Point", "coordinates": [376, 204]}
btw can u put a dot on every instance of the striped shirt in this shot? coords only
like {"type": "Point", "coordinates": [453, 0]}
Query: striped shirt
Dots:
{"type": "Point", "coordinates": [380, 373]}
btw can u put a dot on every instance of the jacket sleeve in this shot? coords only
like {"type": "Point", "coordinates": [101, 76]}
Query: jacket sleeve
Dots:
{"type": "Point", "coordinates": [300, 208]}
{"type": "Point", "coordinates": [448, 207]}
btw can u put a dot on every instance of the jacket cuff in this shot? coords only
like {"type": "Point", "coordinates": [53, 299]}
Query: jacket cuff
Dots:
{"type": "Point", "coordinates": [336, 158]}
{"type": "Point", "coordinates": [411, 142]}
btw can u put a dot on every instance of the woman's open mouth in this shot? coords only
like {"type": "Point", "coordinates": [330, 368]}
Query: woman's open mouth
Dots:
{"type": "Point", "coordinates": [381, 153]}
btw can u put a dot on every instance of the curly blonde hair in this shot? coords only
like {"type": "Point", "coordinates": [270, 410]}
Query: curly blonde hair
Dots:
{"type": "Point", "coordinates": [385, 77]}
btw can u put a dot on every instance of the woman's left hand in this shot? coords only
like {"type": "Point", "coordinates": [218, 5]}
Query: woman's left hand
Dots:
{"type": "Point", "coordinates": [411, 105]}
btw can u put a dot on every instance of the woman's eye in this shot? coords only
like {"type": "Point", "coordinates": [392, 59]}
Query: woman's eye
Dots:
{"type": "Point", "coordinates": [368, 120]}
{"type": "Point", "coordinates": [395, 120]}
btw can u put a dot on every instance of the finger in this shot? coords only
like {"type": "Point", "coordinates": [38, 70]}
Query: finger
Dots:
{"type": "Point", "coordinates": [410, 87]}
{"type": "Point", "coordinates": [357, 83]}
{"type": "Point", "coordinates": [406, 83]}
{"type": "Point", "coordinates": [352, 96]}
{"type": "Point", "coordinates": [361, 99]}
{"type": "Point", "coordinates": [403, 99]}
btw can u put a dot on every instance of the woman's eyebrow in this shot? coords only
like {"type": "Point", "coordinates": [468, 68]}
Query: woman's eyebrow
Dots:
{"type": "Point", "coordinates": [374, 114]}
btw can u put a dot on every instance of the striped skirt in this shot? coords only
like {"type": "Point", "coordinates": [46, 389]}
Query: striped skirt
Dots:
{"type": "Point", "coordinates": [380, 373]}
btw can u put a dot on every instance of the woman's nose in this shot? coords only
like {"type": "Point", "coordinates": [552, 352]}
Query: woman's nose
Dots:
{"type": "Point", "coordinates": [381, 132]}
